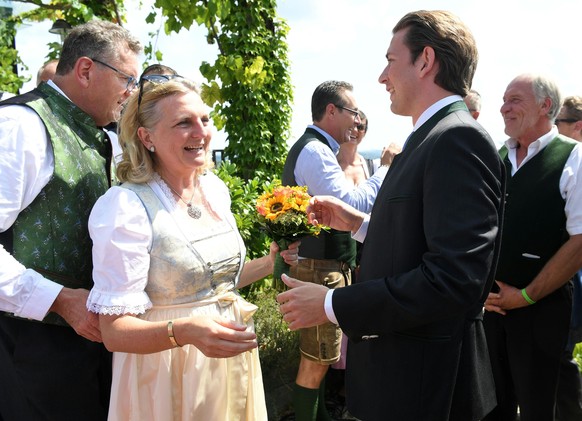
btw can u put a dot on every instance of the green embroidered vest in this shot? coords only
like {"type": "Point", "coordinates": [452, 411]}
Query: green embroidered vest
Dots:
{"type": "Point", "coordinates": [535, 221]}
{"type": "Point", "coordinates": [51, 235]}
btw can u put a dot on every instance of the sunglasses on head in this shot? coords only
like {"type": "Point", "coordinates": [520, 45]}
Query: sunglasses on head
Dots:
{"type": "Point", "coordinates": [153, 79]}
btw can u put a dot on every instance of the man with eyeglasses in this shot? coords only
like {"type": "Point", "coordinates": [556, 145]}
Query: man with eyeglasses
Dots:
{"type": "Point", "coordinates": [569, 120]}
{"type": "Point", "coordinates": [55, 162]}
{"type": "Point", "coordinates": [328, 258]}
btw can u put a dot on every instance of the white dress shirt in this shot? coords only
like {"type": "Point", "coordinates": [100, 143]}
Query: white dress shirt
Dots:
{"type": "Point", "coordinates": [26, 166]}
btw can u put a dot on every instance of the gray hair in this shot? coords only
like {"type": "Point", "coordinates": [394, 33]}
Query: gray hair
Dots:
{"type": "Point", "coordinates": [544, 87]}
{"type": "Point", "coordinates": [96, 39]}
{"type": "Point", "coordinates": [473, 100]}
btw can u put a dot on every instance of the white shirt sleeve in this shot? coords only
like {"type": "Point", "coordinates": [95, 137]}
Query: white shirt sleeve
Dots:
{"type": "Point", "coordinates": [122, 237]}
{"type": "Point", "coordinates": [360, 234]}
{"type": "Point", "coordinates": [26, 166]}
{"type": "Point", "coordinates": [571, 189]}
{"type": "Point", "coordinates": [328, 307]}
{"type": "Point", "coordinates": [318, 169]}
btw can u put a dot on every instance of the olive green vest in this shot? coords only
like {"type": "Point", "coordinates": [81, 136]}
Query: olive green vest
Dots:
{"type": "Point", "coordinates": [51, 234]}
{"type": "Point", "coordinates": [535, 221]}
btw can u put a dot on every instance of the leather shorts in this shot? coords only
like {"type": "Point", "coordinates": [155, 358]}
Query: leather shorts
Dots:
{"type": "Point", "coordinates": [321, 344]}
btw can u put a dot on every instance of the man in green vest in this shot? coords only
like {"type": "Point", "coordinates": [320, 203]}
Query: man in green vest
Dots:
{"type": "Point", "coordinates": [328, 258]}
{"type": "Point", "coordinates": [55, 162]}
{"type": "Point", "coordinates": [528, 310]}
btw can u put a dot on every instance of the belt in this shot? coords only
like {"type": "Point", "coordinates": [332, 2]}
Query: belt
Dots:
{"type": "Point", "coordinates": [323, 264]}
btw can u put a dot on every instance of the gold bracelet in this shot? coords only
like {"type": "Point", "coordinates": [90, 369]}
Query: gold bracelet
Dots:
{"type": "Point", "coordinates": [171, 334]}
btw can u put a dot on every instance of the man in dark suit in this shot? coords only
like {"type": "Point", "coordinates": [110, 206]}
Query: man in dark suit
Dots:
{"type": "Point", "coordinates": [417, 348]}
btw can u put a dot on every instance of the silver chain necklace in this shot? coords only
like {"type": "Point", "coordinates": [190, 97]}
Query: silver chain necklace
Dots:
{"type": "Point", "coordinates": [193, 211]}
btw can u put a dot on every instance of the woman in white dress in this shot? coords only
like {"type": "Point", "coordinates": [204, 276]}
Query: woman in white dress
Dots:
{"type": "Point", "coordinates": [167, 261]}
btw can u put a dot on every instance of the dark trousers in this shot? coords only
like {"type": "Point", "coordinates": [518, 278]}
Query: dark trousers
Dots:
{"type": "Point", "coordinates": [526, 347]}
{"type": "Point", "coordinates": [50, 373]}
{"type": "Point", "coordinates": [569, 400]}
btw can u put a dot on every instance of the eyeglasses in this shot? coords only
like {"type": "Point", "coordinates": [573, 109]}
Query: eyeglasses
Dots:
{"type": "Point", "coordinates": [361, 127]}
{"type": "Point", "coordinates": [153, 79]}
{"type": "Point", "coordinates": [355, 113]}
{"type": "Point", "coordinates": [131, 81]}
{"type": "Point", "coordinates": [566, 120]}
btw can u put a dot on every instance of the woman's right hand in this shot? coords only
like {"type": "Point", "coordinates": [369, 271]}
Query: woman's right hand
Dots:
{"type": "Point", "coordinates": [215, 337]}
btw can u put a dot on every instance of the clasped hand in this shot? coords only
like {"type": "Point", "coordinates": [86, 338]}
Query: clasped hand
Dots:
{"type": "Point", "coordinates": [508, 298]}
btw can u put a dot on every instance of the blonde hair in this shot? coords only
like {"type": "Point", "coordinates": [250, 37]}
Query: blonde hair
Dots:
{"type": "Point", "coordinates": [138, 164]}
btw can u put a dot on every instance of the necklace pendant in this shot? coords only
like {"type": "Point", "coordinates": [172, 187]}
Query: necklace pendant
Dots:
{"type": "Point", "coordinates": [194, 211]}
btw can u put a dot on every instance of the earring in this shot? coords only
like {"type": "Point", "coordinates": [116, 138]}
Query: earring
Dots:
{"type": "Point", "coordinates": [152, 149]}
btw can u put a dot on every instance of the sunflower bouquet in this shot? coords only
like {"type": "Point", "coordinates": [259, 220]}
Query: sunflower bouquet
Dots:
{"type": "Point", "coordinates": [282, 213]}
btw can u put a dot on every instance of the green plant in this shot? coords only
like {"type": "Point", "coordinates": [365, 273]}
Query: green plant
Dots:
{"type": "Point", "coordinates": [578, 355]}
{"type": "Point", "coordinates": [278, 352]}
{"type": "Point", "coordinates": [248, 85]}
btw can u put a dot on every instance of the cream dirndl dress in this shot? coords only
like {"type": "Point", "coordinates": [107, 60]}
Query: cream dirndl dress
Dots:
{"type": "Point", "coordinates": [182, 267]}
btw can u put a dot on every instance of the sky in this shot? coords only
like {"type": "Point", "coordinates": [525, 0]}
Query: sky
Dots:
{"type": "Point", "coordinates": [347, 40]}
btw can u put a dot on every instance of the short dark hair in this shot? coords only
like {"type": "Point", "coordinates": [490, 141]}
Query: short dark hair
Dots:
{"type": "Point", "coordinates": [452, 41]}
{"type": "Point", "coordinates": [363, 117]}
{"type": "Point", "coordinates": [96, 39]}
{"type": "Point", "coordinates": [329, 92]}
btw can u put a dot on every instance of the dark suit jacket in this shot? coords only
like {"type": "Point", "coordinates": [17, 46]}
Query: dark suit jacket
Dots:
{"type": "Point", "coordinates": [417, 348]}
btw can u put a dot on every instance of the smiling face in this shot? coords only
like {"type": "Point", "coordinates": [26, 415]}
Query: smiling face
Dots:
{"type": "Point", "coordinates": [360, 130]}
{"type": "Point", "coordinates": [524, 117]}
{"type": "Point", "coordinates": [345, 119]}
{"type": "Point", "coordinates": [181, 136]}
{"type": "Point", "coordinates": [399, 76]}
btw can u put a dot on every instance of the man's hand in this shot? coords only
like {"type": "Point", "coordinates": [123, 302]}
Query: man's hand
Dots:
{"type": "Point", "coordinates": [71, 305]}
{"type": "Point", "coordinates": [508, 298]}
{"type": "Point", "coordinates": [302, 305]}
{"type": "Point", "coordinates": [388, 154]}
{"type": "Point", "coordinates": [334, 213]}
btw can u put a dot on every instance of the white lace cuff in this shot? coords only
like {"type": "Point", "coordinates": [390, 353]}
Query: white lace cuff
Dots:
{"type": "Point", "coordinates": [111, 304]}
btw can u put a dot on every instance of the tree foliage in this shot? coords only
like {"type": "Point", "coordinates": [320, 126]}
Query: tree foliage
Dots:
{"type": "Point", "coordinates": [74, 12]}
{"type": "Point", "coordinates": [248, 84]}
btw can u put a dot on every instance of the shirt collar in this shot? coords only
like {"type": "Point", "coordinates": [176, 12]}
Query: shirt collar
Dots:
{"type": "Point", "coordinates": [56, 88]}
{"type": "Point", "coordinates": [538, 144]}
{"type": "Point", "coordinates": [332, 142]}
{"type": "Point", "coordinates": [434, 108]}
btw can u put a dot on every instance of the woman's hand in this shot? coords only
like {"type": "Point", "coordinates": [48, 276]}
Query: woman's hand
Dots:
{"type": "Point", "coordinates": [215, 337]}
{"type": "Point", "coordinates": [289, 255]}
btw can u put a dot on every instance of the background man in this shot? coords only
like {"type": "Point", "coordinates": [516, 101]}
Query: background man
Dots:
{"type": "Point", "coordinates": [569, 396]}
{"type": "Point", "coordinates": [413, 317]}
{"type": "Point", "coordinates": [529, 307]}
{"type": "Point", "coordinates": [327, 259]}
{"type": "Point", "coordinates": [569, 120]}
{"type": "Point", "coordinates": [47, 71]}
{"type": "Point", "coordinates": [473, 102]}
{"type": "Point", "coordinates": [55, 163]}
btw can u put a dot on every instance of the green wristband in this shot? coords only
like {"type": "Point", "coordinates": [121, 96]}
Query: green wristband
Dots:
{"type": "Point", "coordinates": [526, 297]}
